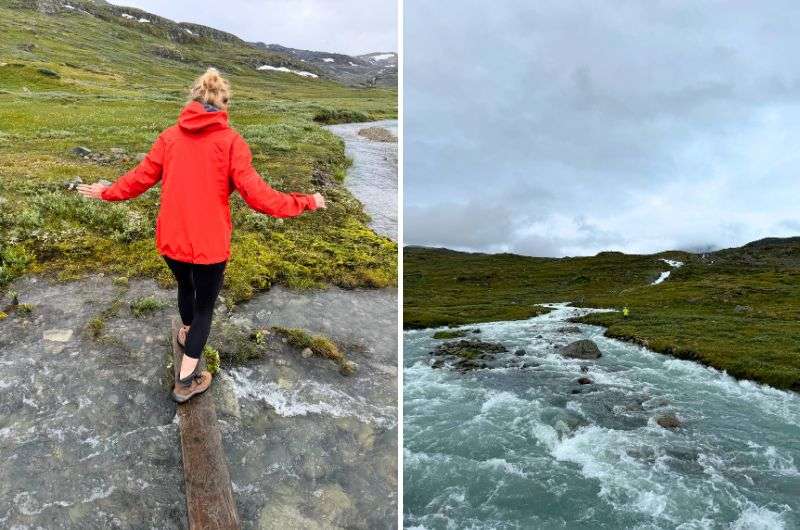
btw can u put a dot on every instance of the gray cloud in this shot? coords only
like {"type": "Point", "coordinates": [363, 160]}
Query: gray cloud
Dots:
{"type": "Point", "coordinates": [353, 26]}
{"type": "Point", "coordinates": [650, 125]}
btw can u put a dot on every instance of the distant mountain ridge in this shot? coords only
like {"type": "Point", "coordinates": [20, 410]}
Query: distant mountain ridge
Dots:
{"type": "Point", "coordinates": [375, 69]}
{"type": "Point", "coordinates": [372, 69]}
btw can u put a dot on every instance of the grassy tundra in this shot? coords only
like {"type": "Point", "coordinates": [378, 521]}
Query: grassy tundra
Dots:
{"type": "Point", "coordinates": [735, 309]}
{"type": "Point", "coordinates": [89, 77]}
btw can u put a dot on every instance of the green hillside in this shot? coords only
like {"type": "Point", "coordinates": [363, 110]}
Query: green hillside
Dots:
{"type": "Point", "coordinates": [87, 76]}
{"type": "Point", "coordinates": [736, 309]}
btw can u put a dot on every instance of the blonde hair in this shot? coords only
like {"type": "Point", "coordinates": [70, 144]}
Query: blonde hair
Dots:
{"type": "Point", "coordinates": [212, 89]}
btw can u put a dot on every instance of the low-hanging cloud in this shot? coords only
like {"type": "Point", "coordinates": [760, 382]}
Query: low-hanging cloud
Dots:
{"type": "Point", "coordinates": [633, 126]}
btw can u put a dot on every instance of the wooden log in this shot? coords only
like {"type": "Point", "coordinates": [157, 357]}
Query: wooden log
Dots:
{"type": "Point", "coordinates": [209, 496]}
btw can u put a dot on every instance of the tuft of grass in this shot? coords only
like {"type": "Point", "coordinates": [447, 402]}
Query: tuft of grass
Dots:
{"type": "Point", "coordinates": [321, 346]}
{"type": "Point", "coordinates": [24, 309]}
{"type": "Point", "coordinates": [3, 315]}
{"type": "Point", "coordinates": [211, 357]}
{"type": "Point", "coordinates": [148, 305]}
{"type": "Point", "coordinates": [96, 326]}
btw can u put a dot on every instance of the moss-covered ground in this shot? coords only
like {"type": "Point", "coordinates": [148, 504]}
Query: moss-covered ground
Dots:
{"type": "Point", "coordinates": [72, 79]}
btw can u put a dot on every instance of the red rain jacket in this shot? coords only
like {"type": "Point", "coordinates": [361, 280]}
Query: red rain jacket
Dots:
{"type": "Point", "coordinates": [200, 161]}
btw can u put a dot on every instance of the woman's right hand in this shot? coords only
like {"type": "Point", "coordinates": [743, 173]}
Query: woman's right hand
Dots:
{"type": "Point", "coordinates": [319, 200]}
{"type": "Point", "coordinates": [93, 191]}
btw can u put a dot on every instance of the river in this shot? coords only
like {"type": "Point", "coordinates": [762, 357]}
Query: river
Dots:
{"type": "Point", "coordinates": [530, 448]}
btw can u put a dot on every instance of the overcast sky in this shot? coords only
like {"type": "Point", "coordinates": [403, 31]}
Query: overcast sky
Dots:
{"type": "Point", "coordinates": [353, 27]}
{"type": "Point", "coordinates": [556, 128]}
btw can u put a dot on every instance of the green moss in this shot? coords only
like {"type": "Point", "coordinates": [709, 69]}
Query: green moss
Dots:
{"type": "Point", "coordinates": [319, 344]}
{"type": "Point", "coordinates": [211, 357]}
{"type": "Point", "coordinates": [148, 305]}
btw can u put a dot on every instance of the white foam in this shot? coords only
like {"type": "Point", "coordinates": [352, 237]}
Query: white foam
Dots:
{"type": "Point", "coordinates": [759, 518]}
{"type": "Point", "coordinates": [664, 275]}
{"type": "Point", "coordinates": [310, 397]}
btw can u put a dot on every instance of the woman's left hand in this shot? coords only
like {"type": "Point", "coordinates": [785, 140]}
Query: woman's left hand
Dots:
{"type": "Point", "coordinates": [92, 191]}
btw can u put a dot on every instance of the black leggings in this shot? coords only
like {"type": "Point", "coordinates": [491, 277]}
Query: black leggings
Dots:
{"type": "Point", "coordinates": [198, 287]}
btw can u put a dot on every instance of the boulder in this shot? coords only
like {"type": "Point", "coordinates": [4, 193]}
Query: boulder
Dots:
{"type": "Point", "coordinates": [520, 352]}
{"type": "Point", "coordinates": [81, 151]}
{"type": "Point", "coordinates": [581, 349]}
{"type": "Point", "coordinates": [569, 329]}
{"type": "Point", "coordinates": [584, 381]}
{"type": "Point", "coordinates": [669, 420]}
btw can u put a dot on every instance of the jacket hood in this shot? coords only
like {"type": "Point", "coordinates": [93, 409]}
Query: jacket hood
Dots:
{"type": "Point", "coordinates": [195, 117]}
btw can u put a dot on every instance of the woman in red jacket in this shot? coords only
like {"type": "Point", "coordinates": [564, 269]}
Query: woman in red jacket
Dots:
{"type": "Point", "coordinates": [199, 161]}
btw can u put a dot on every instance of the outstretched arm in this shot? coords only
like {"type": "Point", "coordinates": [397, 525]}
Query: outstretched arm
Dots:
{"type": "Point", "coordinates": [134, 182]}
{"type": "Point", "coordinates": [259, 195]}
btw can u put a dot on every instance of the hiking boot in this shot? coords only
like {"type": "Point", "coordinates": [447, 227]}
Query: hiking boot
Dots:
{"type": "Point", "coordinates": [192, 385]}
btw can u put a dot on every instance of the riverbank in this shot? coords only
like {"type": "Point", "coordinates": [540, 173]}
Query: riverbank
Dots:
{"type": "Point", "coordinates": [734, 309]}
{"type": "Point", "coordinates": [108, 94]}
{"type": "Point", "coordinates": [580, 437]}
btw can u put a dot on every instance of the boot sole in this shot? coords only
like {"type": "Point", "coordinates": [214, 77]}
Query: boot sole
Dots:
{"type": "Point", "coordinates": [179, 399]}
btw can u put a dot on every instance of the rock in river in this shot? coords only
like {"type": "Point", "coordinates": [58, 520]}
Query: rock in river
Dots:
{"type": "Point", "coordinates": [581, 349]}
{"type": "Point", "coordinates": [668, 420]}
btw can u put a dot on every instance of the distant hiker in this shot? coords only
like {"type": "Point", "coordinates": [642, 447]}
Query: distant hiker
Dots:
{"type": "Point", "coordinates": [625, 312]}
{"type": "Point", "coordinates": [200, 161]}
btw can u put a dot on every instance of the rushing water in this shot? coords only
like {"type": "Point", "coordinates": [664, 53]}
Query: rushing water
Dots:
{"type": "Point", "coordinates": [373, 175]}
{"type": "Point", "coordinates": [516, 448]}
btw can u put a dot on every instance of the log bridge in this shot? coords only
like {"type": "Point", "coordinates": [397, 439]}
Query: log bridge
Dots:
{"type": "Point", "coordinates": [209, 497]}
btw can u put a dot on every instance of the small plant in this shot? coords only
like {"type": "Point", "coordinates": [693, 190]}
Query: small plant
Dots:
{"type": "Point", "coordinates": [24, 309]}
{"type": "Point", "coordinates": [212, 359]}
{"type": "Point", "coordinates": [95, 327]}
{"type": "Point", "coordinates": [3, 315]}
{"type": "Point", "coordinates": [146, 306]}
{"type": "Point", "coordinates": [260, 337]}
{"type": "Point", "coordinates": [120, 281]}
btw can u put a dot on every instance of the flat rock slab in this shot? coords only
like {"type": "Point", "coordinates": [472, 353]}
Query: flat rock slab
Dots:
{"type": "Point", "coordinates": [57, 335]}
